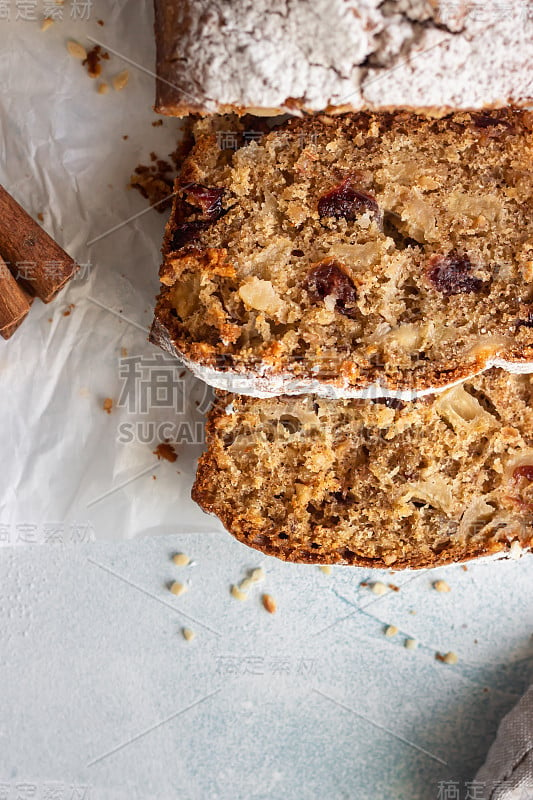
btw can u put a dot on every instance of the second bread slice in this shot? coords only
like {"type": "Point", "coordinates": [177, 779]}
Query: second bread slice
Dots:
{"type": "Point", "coordinates": [375, 483]}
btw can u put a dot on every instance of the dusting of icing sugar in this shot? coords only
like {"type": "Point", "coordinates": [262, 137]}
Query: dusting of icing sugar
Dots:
{"type": "Point", "coordinates": [264, 385]}
{"type": "Point", "coordinates": [413, 53]}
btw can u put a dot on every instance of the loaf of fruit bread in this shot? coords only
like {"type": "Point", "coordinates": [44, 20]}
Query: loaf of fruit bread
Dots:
{"type": "Point", "coordinates": [269, 56]}
{"type": "Point", "coordinates": [376, 483]}
{"type": "Point", "coordinates": [387, 254]}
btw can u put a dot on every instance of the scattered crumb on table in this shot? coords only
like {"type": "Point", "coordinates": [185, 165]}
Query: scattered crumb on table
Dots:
{"type": "Point", "coordinates": [269, 604]}
{"type": "Point", "coordinates": [447, 658]}
{"type": "Point", "coordinates": [178, 588]}
{"type": "Point", "coordinates": [237, 594]}
{"type": "Point", "coordinates": [181, 559]}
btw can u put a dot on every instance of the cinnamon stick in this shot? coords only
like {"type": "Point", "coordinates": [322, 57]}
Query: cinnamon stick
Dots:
{"type": "Point", "coordinates": [31, 254]}
{"type": "Point", "coordinates": [14, 302]}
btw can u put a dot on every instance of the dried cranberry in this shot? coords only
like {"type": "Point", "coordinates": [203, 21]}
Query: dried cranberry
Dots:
{"type": "Point", "coordinates": [525, 471]}
{"type": "Point", "coordinates": [206, 198]}
{"type": "Point", "coordinates": [188, 232]}
{"type": "Point", "coordinates": [330, 279]}
{"type": "Point", "coordinates": [450, 274]}
{"type": "Point", "coordinates": [343, 201]}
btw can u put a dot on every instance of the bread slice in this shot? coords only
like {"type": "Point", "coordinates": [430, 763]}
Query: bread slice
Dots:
{"type": "Point", "coordinates": [375, 483]}
{"type": "Point", "coordinates": [346, 54]}
{"type": "Point", "coordinates": [338, 255]}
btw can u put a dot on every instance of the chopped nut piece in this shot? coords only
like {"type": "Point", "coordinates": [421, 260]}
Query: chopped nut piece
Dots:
{"type": "Point", "coordinates": [46, 23]}
{"type": "Point", "coordinates": [269, 603]}
{"type": "Point", "coordinates": [441, 586]}
{"type": "Point", "coordinates": [326, 569]}
{"type": "Point", "coordinates": [188, 634]}
{"type": "Point", "coordinates": [516, 551]}
{"type": "Point", "coordinates": [103, 88]}
{"type": "Point", "coordinates": [260, 295]}
{"type": "Point", "coordinates": [411, 644]}
{"type": "Point", "coordinates": [391, 630]}
{"type": "Point", "coordinates": [76, 50]}
{"type": "Point", "coordinates": [379, 588]}
{"type": "Point", "coordinates": [107, 405]}
{"type": "Point", "coordinates": [120, 81]}
{"type": "Point", "coordinates": [178, 588]}
{"type": "Point", "coordinates": [245, 584]}
{"type": "Point", "coordinates": [181, 560]}
{"type": "Point", "coordinates": [448, 658]}
{"type": "Point", "coordinates": [258, 575]}
{"type": "Point", "coordinates": [237, 594]}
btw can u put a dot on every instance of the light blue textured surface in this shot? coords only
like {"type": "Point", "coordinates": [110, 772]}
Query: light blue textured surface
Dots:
{"type": "Point", "coordinates": [311, 702]}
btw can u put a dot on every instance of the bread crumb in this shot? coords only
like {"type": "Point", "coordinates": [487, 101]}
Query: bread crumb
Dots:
{"type": "Point", "coordinates": [410, 644]}
{"type": "Point", "coordinates": [157, 123]}
{"type": "Point", "coordinates": [92, 61]}
{"type": "Point", "coordinates": [269, 604]}
{"type": "Point", "coordinates": [188, 634]}
{"type": "Point", "coordinates": [515, 551]}
{"type": "Point", "coordinates": [237, 594]}
{"type": "Point", "coordinates": [46, 23]}
{"type": "Point", "coordinates": [325, 568]}
{"type": "Point", "coordinates": [181, 560]}
{"type": "Point", "coordinates": [125, 136]}
{"type": "Point", "coordinates": [123, 352]}
{"type": "Point", "coordinates": [76, 50]}
{"type": "Point", "coordinates": [100, 22]}
{"type": "Point", "coordinates": [393, 587]}
{"type": "Point", "coordinates": [40, 216]}
{"type": "Point", "coordinates": [166, 451]}
{"type": "Point", "coordinates": [155, 183]}
{"type": "Point", "coordinates": [178, 588]}
{"type": "Point", "coordinates": [447, 658]}
{"type": "Point", "coordinates": [103, 88]}
{"type": "Point", "coordinates": [391, 630]}
{"type": "Point", "coordinates": [379, 588]}
{"type": "Point", "coordinates": [107, 405]}
{"type": "Point", "coordinates": [120, 81]}
{"type": "Point", "coordinates": [245, 584]}
{"type": "Point", "coordinates": [442, 586]}
{"type": "Point", "coordinates": [257, 575]}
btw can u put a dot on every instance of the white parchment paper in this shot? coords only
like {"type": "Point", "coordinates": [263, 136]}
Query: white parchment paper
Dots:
{"type": "Point", "coordinates": [67, 465]}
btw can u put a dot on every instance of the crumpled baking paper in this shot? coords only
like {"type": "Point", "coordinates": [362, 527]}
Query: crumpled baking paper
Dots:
{"type": "Point", "coordinates": [72, 472]}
